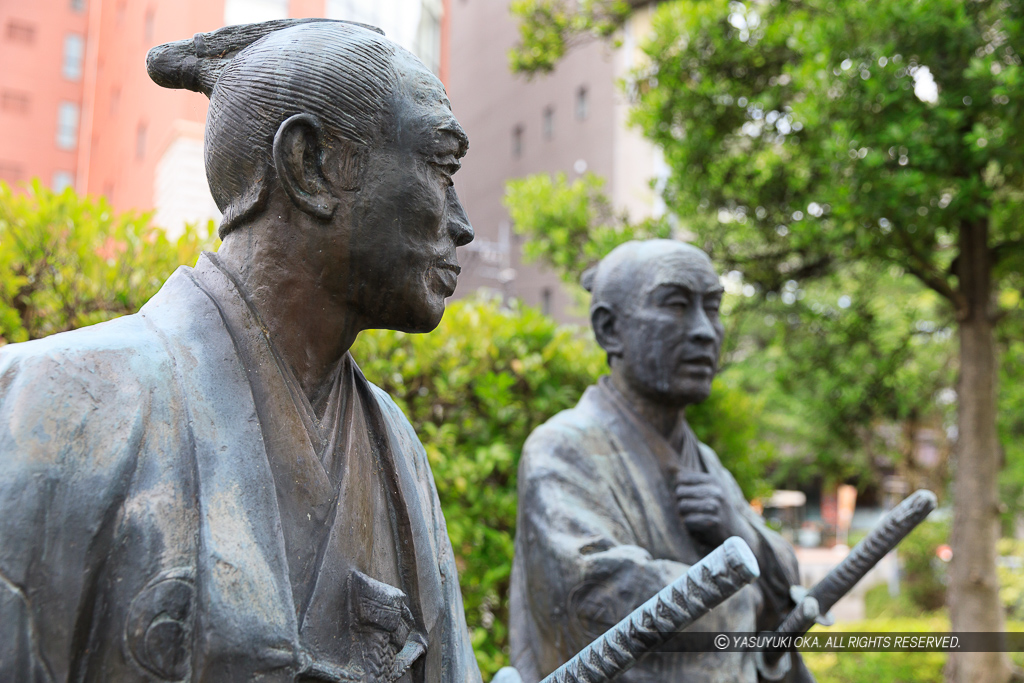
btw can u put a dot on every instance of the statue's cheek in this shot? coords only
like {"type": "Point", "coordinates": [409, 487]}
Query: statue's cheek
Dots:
{"type": "Point", "coordinates": [159, 627]}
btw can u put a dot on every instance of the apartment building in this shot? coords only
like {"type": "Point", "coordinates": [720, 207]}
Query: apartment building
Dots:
{"type": "Point", "coordinates": [573, 121]}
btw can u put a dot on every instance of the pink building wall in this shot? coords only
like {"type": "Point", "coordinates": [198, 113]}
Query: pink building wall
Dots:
{"type": "Point", "coordinates": [133, 120]}
{"type": "Point", "coordinates": [32, 87]}
{"type": "Point", "coordinates": [126, 122]}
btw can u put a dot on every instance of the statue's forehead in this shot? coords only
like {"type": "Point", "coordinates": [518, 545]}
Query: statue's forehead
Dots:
{"type": "Point", "coordinates": [427, 113]}
{"type": "Point", "coordinates": [687, 269]}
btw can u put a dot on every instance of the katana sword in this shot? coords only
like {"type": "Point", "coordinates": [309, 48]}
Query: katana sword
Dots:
{"type": "Point", "coordinates": [893, 528]}
{"type": "Point", "coordinates": [707, 584]}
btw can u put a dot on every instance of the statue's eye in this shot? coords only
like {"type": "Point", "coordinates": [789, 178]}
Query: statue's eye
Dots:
{"type": "Point", "coordinates": [676, 302]}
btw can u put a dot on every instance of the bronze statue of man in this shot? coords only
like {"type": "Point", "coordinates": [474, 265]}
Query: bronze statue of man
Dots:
{"type": "Point", "coordinates": [210, 490]}
{"type": "Point", "coordinates": [617, 497]}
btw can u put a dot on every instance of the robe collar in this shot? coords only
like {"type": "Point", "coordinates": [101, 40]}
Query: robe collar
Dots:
{"type": "Point", "coordinates": [246, 611]}
{"type": "Point", "coordinates": [679, 453]}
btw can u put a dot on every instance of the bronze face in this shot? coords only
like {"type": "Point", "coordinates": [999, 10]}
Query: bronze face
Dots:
{"type": "Point", "coordinates": [666, 334]}
{"type": "Point", "coordinates": [406, 219]}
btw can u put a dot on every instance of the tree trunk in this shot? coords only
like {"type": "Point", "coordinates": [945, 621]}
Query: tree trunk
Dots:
{"type": "Point", "coordinates": [973, 585]}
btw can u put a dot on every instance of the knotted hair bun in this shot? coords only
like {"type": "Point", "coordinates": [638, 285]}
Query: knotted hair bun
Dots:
{"type": "Point", "coordinates": [196, 64]}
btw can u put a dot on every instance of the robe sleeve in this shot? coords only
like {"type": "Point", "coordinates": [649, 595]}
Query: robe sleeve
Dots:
{"type": "Point", "coordinates": [582, 564]}
{"type": "Point", "coordinates": [69, 432]}
{"type": "Point", "coordinates": [779, 568]}
{"type": "Point", "coordinates": [775, 556]}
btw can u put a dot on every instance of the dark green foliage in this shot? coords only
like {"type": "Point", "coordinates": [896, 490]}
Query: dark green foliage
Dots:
{"type": "Point", "coordinates": [570, 226]}
{"type": "Point", "coordinates": [474, 389]}
{"type": "Point", "coordinates": [923, 574]}
{"type": "Point", "coordinates": [548, 28]}
{"type": "Point", "coordinates": [797, 140]}
{"type": "Point", "coordinates": [68, 261]}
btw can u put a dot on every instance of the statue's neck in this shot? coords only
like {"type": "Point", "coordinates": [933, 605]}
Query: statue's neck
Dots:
{"type": "Point", "coordinates": [310, 331]}
{"type": "Point", "coordinates": [666, 419]}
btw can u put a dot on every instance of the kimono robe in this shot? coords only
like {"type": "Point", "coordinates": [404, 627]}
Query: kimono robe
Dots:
{"type": "Point", "coordinates": [598, 534]}
{"type": "Point", "coordinates": [173, 509]}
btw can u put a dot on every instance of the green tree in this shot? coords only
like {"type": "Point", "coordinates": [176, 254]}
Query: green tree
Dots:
{"type": "Point", "coordinates": [804, 135]}
{"type": "Point", "coordinates": [570, 226]}
{"type": "Point", "coordinates": [552, 27]}
{"type": "Point", "coordinates": [68, 261]}
{"type": "Point", "coordinates": [831, 361]}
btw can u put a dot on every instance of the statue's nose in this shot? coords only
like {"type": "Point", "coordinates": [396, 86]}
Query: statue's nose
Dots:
{"type": "Point", "coordinates": [458, 221]}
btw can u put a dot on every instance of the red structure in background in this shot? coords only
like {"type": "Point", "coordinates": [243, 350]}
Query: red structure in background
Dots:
{"type": "Point", "coordinates": [77, 107]}
{"type": "Point", "coordinates": [41, 85]}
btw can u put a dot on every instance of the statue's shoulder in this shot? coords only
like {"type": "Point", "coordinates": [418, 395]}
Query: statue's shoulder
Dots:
{"type": "Point", "coordinates": [127, 351]}
{"type": "Point", "coordinates": [121, 351]}
{"type": "Point", "coordinates": [584, 419]}
{"type": "Point", "coordinates": [75, 401]}
{"type": "Point", "coordinates": [566, 436]}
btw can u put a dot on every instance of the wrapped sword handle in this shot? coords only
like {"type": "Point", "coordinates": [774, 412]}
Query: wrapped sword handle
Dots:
{"type": "Point", "coordinates": [706, 585]}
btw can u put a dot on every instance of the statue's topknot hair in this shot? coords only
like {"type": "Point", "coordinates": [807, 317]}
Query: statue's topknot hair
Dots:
{"type": "Point", "coordinates": [259, 75]}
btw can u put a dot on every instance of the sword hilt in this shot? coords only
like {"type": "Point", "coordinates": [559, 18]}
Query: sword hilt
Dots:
{"type": "Point", "coordinates": [706, 585]}
{"type": "Point", "coordinates": [886, 535]}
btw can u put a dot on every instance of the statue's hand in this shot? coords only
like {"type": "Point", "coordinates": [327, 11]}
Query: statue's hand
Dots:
{"type": "Point", "coordinates": [701, 502]}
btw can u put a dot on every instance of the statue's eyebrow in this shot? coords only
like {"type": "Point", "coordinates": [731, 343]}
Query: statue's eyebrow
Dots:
{"type": "Point", "coordinates": [687, 288]}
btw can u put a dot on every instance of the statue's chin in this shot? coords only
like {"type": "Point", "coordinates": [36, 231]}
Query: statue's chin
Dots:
{"type": "Point", "coordinates": [425, 319]}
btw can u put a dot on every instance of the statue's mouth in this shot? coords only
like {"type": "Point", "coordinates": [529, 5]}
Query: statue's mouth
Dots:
{"type": "Point", "coordinates": [448, 275]}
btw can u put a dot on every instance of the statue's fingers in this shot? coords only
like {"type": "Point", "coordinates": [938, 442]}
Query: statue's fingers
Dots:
{"type": "Point", "coordinates": [698, 492]}
{"type": "Point", "coordinates": [694, 506]}
{"type": "Point", "coordinates": [702, 524]}
{"type": "Point", "coordinates": [693, 478]}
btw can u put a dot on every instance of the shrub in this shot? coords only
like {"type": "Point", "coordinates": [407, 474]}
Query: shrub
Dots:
{"type": "Point", "coordinates": [474, 389]}
{"type": "Point", "coordinates": [923, 573]}
{"type": "Point", "coordinates": [68, 261]}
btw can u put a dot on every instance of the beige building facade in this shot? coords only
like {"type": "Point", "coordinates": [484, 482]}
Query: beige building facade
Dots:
{"type": "Point", "coordinates": [573, 121]}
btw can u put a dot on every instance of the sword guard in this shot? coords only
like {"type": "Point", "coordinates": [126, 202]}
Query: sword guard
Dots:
{"type": "Point", "coordinates": [799, 594]}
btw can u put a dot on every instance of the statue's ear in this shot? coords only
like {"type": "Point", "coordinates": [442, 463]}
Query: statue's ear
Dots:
{"type": "Point", "coordinates": [607, 329]}
{"type": "Point", "coordinates": [297, 160]}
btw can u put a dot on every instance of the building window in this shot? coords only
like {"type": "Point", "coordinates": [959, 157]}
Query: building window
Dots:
{"type": "Point", "coordinates": [140, 141]}
{"type": "Point", "coordinates": [582, 104]}
{"type": "Point", "coordinates": [517, 142]}
{"type": "Point", "coordinates": [14, 101]}
{"type": "Point", "coordinates": [549, 123]}
{"type": "Point", "coordinates": [148, 28]}
{"type": "Point", "coordinates": [252, 11]}
{"type": "Point", "coordinates": [10, 172]}
{"type": "Point", "coordinates": [62, 180]}
{"type": "Point", "coordinates": [20, 31]}
{"type": "Point", "coordinates": [74, 51]}
{"type": "Point", "coordinates": [77, 5]}
{"type": "Point", "coordinates": [545, 301]}
{"type": "Point", "coordinates": [428, 36]}
{"type": "Point", "coordinates": [67, 125]}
